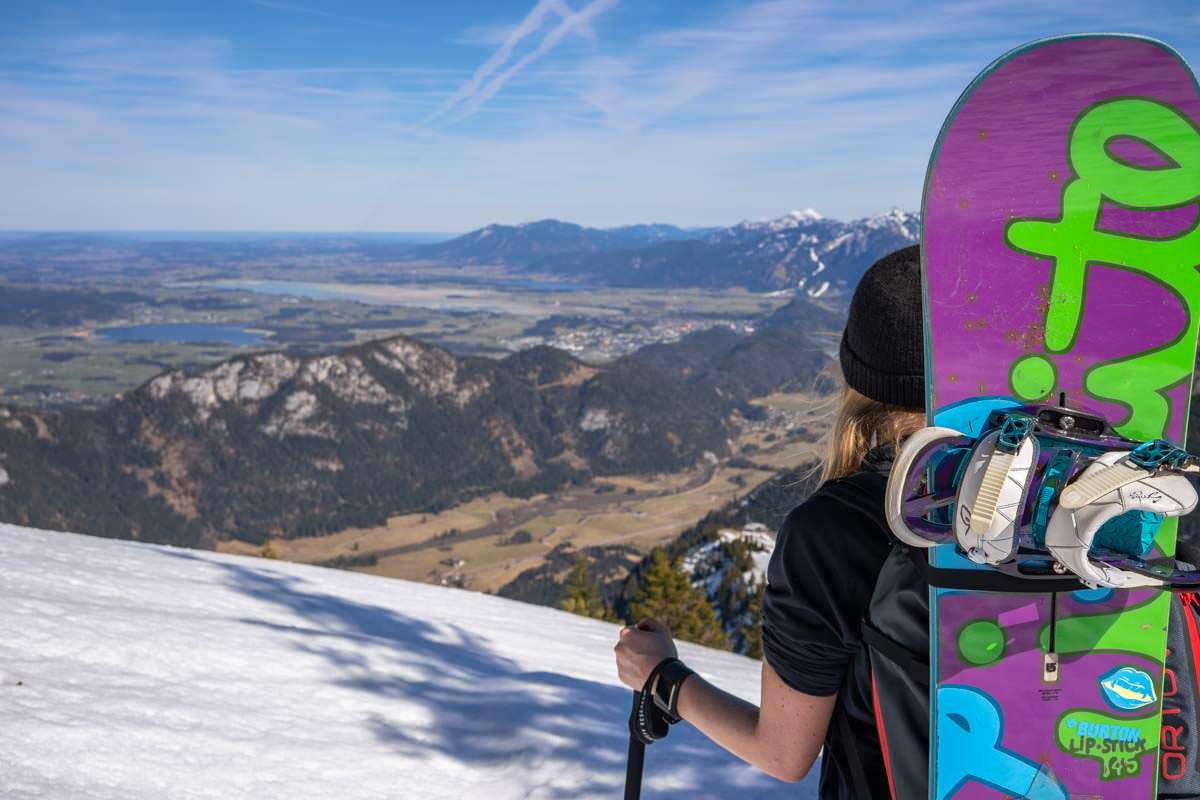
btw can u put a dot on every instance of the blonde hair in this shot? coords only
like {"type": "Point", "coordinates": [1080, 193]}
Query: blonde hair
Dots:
{"type": "Point", "coordinates": [863, 423]}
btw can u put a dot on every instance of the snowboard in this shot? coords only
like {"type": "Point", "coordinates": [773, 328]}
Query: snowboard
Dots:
{"type": "Point", "coordinates": [1060, 246]}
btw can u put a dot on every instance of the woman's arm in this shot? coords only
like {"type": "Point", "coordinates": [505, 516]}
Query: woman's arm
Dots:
{"type": "Point", "coordinates": [782, 736]}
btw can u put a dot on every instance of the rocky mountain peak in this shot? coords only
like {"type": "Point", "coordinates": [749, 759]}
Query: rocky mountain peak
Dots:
{"type": "Point", "coordinates": [357, 376]}
{"type": "Point", "coordinates": [245, 380]}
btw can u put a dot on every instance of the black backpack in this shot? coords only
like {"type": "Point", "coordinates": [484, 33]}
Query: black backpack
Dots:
{"type": "Point", "coordinates": [896, 634]}
{"type": "Point", "coordinates": [1179, 745]}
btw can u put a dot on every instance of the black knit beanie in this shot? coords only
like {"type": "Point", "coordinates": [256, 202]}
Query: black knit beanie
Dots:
{"type": "Point", "coordinates": [883, 352]}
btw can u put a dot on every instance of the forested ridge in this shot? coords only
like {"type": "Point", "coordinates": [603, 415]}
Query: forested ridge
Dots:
{"type": "Point", "coordinates": [275, 445]}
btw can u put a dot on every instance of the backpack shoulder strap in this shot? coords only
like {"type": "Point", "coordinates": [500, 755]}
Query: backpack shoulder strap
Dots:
{"type": "Point", "coordinates": [913, 664]}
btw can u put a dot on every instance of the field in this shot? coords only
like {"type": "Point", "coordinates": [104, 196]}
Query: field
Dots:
{"type": "Point", "coordinates": [475, 545]}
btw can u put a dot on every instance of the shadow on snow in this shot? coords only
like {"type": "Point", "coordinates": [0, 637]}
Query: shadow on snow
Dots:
{"type": "Point", "coordinates": [481, 708]}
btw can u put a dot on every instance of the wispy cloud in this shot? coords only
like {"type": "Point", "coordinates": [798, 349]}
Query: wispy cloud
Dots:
{"type": "Point", "coordinates": [750, 24]}
{"type": "Point", "coordinates": [784, 62]}
{"type": "Point", "coordinates": [308, 11]}
{"type": "Point", "coordinates": [670, 71]}
{"type": "Point", "coordinates": [488, 35]}
{"type": "Point", "coordinates": [715, 112]}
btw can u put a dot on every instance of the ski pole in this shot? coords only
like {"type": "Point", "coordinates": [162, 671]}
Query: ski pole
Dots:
{"type": "Point", "coordinates": [636, 759]}
{"type": "Point", "coordinates": [647, 724]}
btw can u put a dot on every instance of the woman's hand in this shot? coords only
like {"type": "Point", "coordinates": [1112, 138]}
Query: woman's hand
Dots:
{"type": "Point", "coordinates": [783, 739]}
{"type": "Point", "coordinates": [639, 651]}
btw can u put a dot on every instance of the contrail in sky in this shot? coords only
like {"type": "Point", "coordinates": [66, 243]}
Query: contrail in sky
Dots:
{"type": "Point", "coordinates": [483, 86]}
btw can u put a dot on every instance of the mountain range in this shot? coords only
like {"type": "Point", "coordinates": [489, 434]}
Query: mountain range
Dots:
{"type": "Point", "coordinates": [278, 445]}
{"type": "Point", "coordinates": [802, 250]}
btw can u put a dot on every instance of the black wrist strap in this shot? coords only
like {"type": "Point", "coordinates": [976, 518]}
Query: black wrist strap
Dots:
{"type": "Point", "coordinates": [647, 722]}
{"type": "Point", "coordinates": [671, 675]}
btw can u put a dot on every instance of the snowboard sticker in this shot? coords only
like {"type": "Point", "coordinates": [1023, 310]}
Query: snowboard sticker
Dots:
{"type": "Point", "coordinates": [1060, 247]}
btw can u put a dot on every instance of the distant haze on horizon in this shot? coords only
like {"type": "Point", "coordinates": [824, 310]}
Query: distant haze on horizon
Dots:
{"type": "Point", "coordinates": [298, 116]}
{"type": "Point", "coordinates": [217, 234]}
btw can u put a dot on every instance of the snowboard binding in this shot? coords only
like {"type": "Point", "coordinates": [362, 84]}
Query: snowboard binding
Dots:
{"type": "Point", "coordinates": [1044, 491]}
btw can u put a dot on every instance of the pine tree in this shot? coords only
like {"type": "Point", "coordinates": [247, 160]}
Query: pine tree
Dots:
{"type": "Point", "coordinates": [667, 595]}
{"type": "Point", "coordinates": [752, 633]}
{"type": "Point", "coordinates": [583, 593]}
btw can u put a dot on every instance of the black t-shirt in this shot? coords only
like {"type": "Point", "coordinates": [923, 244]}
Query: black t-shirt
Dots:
{"type": "Point", "coordinates": [820, 580]}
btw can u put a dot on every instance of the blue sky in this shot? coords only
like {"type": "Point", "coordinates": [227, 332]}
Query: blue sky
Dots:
{"type": "Point", "coordinates": [448, 115]}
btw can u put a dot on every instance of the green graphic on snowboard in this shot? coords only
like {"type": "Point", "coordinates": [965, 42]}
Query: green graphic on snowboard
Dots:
{"type": "Point", "coordinates": [982, 642]}
{"type": "Point", "coordinates": [1126, 629]}
{"type": "Point", "coordinates": [1118, 743]}
{"type": "Point", "coordinates": [1076, 240]}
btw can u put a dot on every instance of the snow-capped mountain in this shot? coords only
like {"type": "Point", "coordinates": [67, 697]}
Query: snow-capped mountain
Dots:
{"type": "Point", "coordinates": [801, 251]}
{"type": "Point", "coordinates": [821, 257]}
{"type": "Point", "coordinates": [794, 219]}
{"type": "Point", "coordinates": [136, 671]}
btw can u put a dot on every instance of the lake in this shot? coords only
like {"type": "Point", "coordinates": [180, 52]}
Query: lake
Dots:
{"type": "Point", "coordinates": [190, 332]}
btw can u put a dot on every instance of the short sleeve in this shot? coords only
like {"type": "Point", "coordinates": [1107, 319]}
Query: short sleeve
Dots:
{"type": "Point", "coordinates": [820, 579]}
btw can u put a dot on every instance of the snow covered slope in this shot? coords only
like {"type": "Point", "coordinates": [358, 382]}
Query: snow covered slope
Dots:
{"type": "Point", "coordinates": [135, 671]}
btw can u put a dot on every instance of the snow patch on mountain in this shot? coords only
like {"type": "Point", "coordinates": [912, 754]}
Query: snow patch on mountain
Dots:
{"type": "Point", "coordinates": [790, 221]}
{"type": "Point", "coordinates": [596, 419]}
{"type": "Point", "coordinates": [895, 219]}
{"type": "Point", "coordinates": [748, 551]}
{"type": "Point", "coordinates": [136, 671]}
{"type": "Point", "coordinates": [296, 418]}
